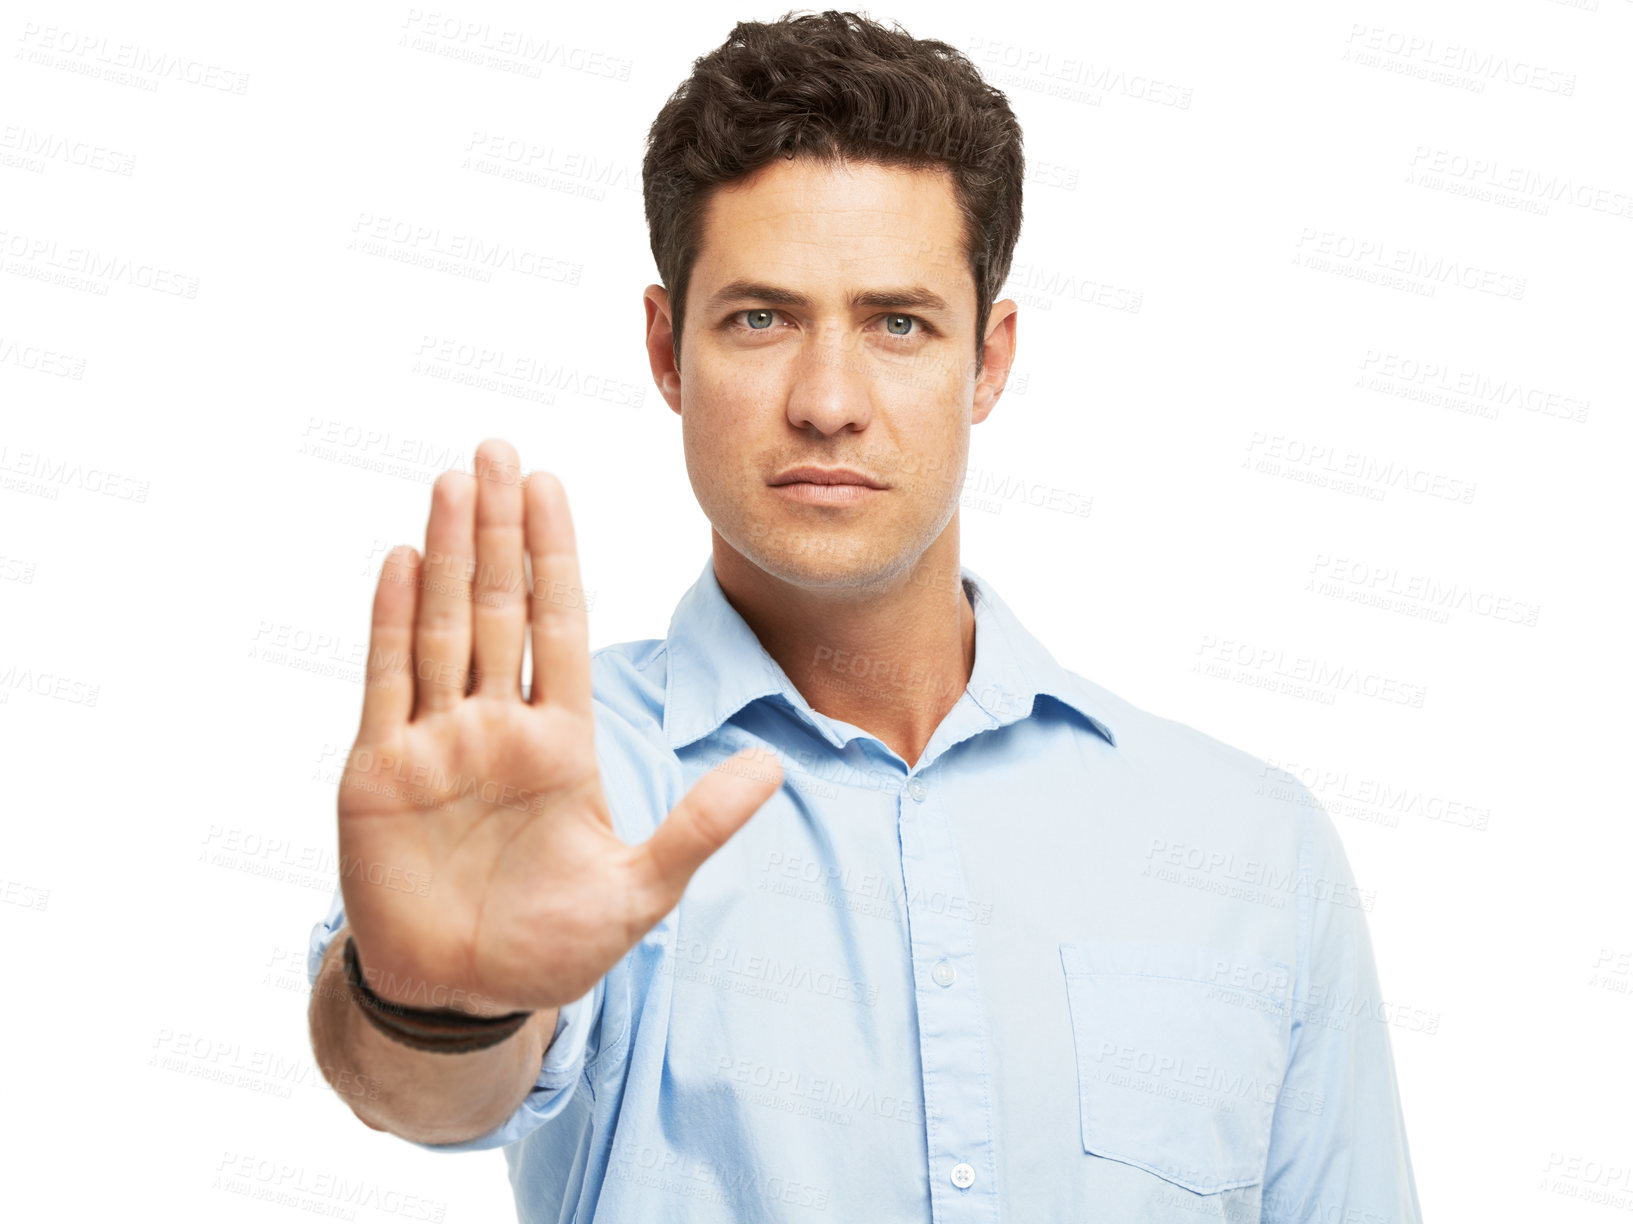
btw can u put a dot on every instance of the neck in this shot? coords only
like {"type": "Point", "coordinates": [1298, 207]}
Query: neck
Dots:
{"type": "Point", "coordinates": [891, 658]}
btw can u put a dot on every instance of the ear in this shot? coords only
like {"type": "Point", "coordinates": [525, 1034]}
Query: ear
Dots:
{"type": "Point", "coordinates": [660, 345]}
{"type": "Point", "coordinates": [998, 355]}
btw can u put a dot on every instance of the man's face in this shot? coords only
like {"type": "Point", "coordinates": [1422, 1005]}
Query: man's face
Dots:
{"type": "Point", "coordinates": [806, 371]}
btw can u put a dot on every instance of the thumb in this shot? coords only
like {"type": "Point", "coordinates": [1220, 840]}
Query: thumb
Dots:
{"type": "Point", "coordinates": [716, 807]}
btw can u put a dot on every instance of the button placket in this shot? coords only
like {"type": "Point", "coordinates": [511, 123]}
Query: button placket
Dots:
{"type": "Point", "coordinates": [952, 1038]}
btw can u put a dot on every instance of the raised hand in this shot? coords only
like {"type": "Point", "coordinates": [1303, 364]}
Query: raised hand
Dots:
{"type": "Point", "coordinates": [479, 865]}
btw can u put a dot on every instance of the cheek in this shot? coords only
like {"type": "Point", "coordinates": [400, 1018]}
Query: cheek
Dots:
{"type": "Point", "coordinates": [720, 444]}
{"type": "Point", "coordinates": [729, 398]}
{"type": "Point", "coordinates": [931, 451]}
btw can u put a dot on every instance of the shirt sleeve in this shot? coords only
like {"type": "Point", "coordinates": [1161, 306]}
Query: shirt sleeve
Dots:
{"type": "Point", "coordinates": [558, 1076]}
{"type": "Point", "coordinates": [1338, 1137]}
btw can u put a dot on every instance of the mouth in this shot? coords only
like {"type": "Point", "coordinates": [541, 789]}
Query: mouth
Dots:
{"type": "Point", "coordinates": [825, 486]}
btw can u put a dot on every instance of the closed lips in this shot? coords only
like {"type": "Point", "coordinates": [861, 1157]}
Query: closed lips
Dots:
{"type": "Point", "coordinates": [826, 476]}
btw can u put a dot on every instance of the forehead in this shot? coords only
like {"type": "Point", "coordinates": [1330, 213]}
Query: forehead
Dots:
{"type": "Point", "coordinates": [827, 223]}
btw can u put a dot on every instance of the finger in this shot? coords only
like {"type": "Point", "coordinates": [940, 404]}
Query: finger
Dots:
{"type": "Point", "coordinates": [388, 685]}
{"type": "Point", "coordinates": [715, 808]}
{"type": "Point", "coordinates": [499, 613]}
{"type": "Point", "coordinates": [442, 625]}
{"type": "Point", "coordinates": [560, 627]}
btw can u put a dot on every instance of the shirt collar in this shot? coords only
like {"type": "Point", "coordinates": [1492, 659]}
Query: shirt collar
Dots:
{"type": "Point", "coordinates": [717, 666]}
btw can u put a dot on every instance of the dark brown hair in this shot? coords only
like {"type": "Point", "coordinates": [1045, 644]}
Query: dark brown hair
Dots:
{"type": "Point", "coordinates": [834, 86]}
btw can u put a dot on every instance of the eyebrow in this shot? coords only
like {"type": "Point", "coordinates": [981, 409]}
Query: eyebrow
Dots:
{"type": "Point", "coordinates": [915, 297]}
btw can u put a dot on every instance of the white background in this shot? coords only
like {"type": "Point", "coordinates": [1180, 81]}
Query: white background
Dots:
{"type": "Point", "coordinates": [179, 641]}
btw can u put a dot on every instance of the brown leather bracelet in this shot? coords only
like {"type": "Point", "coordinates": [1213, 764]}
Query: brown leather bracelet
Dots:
{"type": "Point", "coordinates": [440, 1030]}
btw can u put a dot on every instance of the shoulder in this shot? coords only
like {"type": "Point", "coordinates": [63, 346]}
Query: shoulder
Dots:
{"type": "Point", "coordinates": [1147, 739]}
{"type": "Point", "coordinates": [1180, 767]}
{"type": "Point", "coordinates": [628, 679]}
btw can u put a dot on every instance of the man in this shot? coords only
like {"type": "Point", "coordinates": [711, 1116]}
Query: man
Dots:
{"type": "Point", "coordinates": [933, 929]}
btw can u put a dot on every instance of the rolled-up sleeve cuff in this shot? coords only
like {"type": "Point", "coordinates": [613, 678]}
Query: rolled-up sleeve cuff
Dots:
{"type": "Point", "coordinates": [558, 1077]}
{"type": "Point", "coordinates": [323, 935]}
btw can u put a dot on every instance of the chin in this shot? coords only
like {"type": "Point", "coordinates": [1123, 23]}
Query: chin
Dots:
{"type": "Point", "coordinates": [853, 557]}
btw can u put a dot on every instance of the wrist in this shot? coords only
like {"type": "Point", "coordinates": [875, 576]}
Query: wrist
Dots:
{"type": "Point", "coordinates": [439, 1030]}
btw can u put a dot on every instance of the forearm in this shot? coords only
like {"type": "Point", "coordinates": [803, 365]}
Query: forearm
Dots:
{"type": "Point", "coordinates": [421, 1096]}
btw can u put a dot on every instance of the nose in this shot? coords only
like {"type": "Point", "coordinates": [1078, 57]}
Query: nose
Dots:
{"type": "Point", "coordinates": [830, 391]}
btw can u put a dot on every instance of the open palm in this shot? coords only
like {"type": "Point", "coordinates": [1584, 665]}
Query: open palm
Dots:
{"type": "Point", "coordinates": [479, 865]}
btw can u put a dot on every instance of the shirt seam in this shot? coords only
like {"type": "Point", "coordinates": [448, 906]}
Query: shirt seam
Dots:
{"type": "Point", "coordinates": [1301, 956]}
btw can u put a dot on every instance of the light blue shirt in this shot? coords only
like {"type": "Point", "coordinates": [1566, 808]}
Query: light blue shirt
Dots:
{"type": "Point", "coordinates": [1080, 963]}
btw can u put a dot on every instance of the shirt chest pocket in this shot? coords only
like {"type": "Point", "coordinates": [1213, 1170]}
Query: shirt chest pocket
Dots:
{"type": "Point", "coordinates": [1180, 1055]}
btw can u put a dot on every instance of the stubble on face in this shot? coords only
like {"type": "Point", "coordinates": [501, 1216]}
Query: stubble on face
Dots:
{"type": "Point", "coordinates": [832, 387]}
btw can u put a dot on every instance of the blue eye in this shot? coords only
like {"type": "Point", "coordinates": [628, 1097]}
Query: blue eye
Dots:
{"type": "Point", "coordinates": [902, 326]}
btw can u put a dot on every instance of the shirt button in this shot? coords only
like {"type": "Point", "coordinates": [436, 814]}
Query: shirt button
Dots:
{"type": "Point", "coordinates": [963, 1176]}
{"type": "Point", "coordinates": [917, 790]}
{"type": "Point", "coordinates": [943, 973]}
